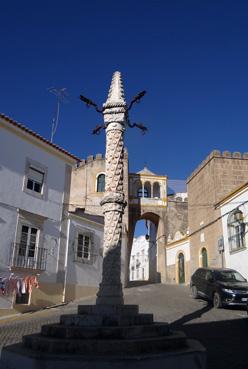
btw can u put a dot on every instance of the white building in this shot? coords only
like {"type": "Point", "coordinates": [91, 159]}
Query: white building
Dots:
{"type": "Point", "coordinates": [85, 252]}
{"type": "Point", "coordinates": [234, 215]}
{"type": "Point", "coordinates": [39, 237]}
{"type": "Point", "coordinates": [139, 261]}
{"type": "Point", "coordinates": [178, 259]}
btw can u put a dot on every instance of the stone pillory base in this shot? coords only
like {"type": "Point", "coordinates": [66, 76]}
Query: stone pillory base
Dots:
{"type": "Point", "coordinates": [108, 334]}
{"type": "Point", "coordinates": [105, 337]}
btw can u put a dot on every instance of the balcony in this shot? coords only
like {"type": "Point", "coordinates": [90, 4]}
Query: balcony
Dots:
{"type": "Point", "coordinates": [24, 256]}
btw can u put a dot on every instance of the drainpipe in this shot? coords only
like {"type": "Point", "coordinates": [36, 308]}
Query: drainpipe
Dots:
{"type": "Point", "coordinates": [66, 259]}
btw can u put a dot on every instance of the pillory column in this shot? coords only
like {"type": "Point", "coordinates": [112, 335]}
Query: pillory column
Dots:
{"type": "Point", "coordinates": [113, 203]}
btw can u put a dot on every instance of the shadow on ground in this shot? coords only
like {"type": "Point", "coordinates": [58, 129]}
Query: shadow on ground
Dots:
{"type": "Point", "coordinates": [226, 341]}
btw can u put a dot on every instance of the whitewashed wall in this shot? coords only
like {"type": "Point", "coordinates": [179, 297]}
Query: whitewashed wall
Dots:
{"type": "Point", "coordinates": [14, 152]}
{"type": "Point", "coordinates": [137, 261]}
{"type": "Point", "coordinates": [173, 251]}
{"type": "Point", "coordinates": [238, 259]}
{"type": "Point", "coordinates": [81, 273]}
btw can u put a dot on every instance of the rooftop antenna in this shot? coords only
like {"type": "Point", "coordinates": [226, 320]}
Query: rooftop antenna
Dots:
{"type": "Point", "coordinates": [61, 94]}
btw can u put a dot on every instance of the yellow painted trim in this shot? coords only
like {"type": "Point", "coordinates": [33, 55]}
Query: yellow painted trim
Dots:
{"type": "Point", "coordinates": [173, 243]}
{"type": "Point", "coordinates": [238, 191]}
{"type": "Point", "coordinates": [152, 176]}
{"type": "Point", "coordinates": [177, 269]}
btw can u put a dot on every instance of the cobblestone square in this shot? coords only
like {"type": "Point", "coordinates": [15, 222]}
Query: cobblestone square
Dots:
{"type": "Point", "coordinates": [222, 331]}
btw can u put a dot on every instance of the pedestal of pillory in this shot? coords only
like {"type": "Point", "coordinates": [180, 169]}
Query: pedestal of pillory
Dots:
{"type": "Point", "coordinates": [108, 334]}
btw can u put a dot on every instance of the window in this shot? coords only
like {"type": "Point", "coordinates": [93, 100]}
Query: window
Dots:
{"type": "Point", "coordinates": [100, 183]}
{"type": "Point", "coordinates": [83, 249]}
{"type": "Point", "coordinates": [26, 253]}
{"type": "Point", "coordinates": [35, 180]}
{"type": "Point", "coordinates": [28, 241]}
{"type": "Point", "coordinates": [156, 190]}
{"type": "Point", "coordinates": [140, 192]}
{"type": "Point", "coordinates": [147, 189]}
{"type": "Point", "coordinates": [236, 230]}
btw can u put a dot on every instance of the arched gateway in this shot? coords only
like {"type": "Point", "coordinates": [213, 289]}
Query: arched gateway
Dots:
{"type": "Point", "coordinates": [147, 199]}
{"type": "Point", "coordinates": [150, 205]}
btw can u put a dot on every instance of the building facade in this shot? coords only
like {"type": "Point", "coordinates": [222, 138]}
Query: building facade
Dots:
{"type": "Point", "coordinates": [139, 260]}
{"type": "Point", "coordinates": [234, 218]}
{"type": "Point", "coordinates": [42, 243]}
{"type": "Point", "coordinates": [218, 175]}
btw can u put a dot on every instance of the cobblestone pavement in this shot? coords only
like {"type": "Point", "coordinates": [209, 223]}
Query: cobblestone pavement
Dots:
{"type": "Point", "coordinates": [222, 331]}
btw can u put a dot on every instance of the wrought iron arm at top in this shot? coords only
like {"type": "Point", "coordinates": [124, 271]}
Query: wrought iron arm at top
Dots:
{"type": "Point", "coordinates": [143, 128]}
{"type": "Point", "coordinates": [136, 99]}
{"type": "Point", "coordinates": [89, 102]}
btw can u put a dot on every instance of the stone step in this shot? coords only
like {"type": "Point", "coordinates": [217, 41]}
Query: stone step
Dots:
{"type": "Point", "coordinates": [108, 309]}
{"type": "Point", "coordinates": [105, 347]}
{"type": "Point", "coordinates": [76, 332]}
{"type": "Point", "coordinates": [94, 320]}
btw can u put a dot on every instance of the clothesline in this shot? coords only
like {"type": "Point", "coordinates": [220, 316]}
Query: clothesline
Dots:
{"type": "Point", "coordinates": [11, 283]}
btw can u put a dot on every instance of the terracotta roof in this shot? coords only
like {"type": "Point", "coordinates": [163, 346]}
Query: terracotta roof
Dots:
{"type": "Point", "coordinates": [36, 135]}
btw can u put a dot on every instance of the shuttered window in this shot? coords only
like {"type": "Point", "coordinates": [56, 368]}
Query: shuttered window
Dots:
{"type": "Point", "coordinates": [35, 179]}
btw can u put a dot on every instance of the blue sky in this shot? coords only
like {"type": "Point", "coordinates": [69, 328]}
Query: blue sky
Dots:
{"type": "Point", "coordinates": [190, 56]}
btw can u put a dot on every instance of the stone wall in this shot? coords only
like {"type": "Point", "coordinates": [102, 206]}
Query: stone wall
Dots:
{"type": "Point", "coordinates": [218, 175]}
{"type": "Point", "coordinates": [176, 216]}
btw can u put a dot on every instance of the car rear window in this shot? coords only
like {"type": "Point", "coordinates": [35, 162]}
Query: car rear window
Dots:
{"type": "Point", "coordinates": [229, 276]}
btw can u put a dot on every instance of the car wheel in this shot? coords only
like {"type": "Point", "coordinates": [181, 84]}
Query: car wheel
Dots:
{"type": "Point", "coordinates": [194, 292]}
{"type": "Point", "coordinates": [217, 300]}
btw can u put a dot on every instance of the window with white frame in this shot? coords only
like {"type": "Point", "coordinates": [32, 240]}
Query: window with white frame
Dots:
{"type": "Point", "coordinates": [28, 241]}
{"type": "Point", "coordinates": [84, 247]}
{"type": "Point", "coordinates": [27, 249]}
{"type": "Point", "coordinates": [236, 230]}
{"type": "Point", "coordinates": [35, 178]}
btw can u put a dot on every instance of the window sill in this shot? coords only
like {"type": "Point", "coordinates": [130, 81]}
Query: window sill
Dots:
{"type": "Point", "coordinates": [38, 195]}
{"type": "Point", "coordinates": [83, 261]}
{"type": "Point", "coordinates": [237, 250]}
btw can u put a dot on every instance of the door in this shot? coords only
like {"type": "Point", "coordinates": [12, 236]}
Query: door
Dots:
{"type": "Point", "coordinates": [181, 268]}
{"type": "Point", "coordinates": [27, 247]}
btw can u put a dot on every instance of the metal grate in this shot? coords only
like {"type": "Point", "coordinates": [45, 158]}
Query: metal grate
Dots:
{"type": "Point", "coordinates": [22, 256]}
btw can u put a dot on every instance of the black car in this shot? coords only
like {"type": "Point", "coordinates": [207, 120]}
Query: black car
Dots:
{"type": "Point", "coordinates": [220, 286]}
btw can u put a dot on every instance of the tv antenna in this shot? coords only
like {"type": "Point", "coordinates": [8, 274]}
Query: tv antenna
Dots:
{"type": "Point", "coordinates": [61, 94]}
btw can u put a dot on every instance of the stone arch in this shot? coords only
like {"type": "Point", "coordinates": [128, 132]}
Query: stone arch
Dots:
{"type": "Point", "coordinates": [137, 188]}
{"type": "Point", "coordinates": [147, 189]}
{"type": "Point", "coordinates": [158, 240]}
{"type": "Point", "coordinates": [156, 190]}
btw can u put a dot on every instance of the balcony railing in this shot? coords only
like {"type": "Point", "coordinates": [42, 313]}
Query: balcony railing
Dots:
{"type": "Point", "coordinates": [23, 256]}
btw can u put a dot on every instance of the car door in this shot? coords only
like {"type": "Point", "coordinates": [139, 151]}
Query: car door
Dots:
{"type": "Point", "coordinates": [200, 285]}
{"type": "Point", "coordinates": [209, 284]}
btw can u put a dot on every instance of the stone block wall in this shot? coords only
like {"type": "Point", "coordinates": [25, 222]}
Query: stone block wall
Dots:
{"type": "Point", "coordinates": [217, 176]}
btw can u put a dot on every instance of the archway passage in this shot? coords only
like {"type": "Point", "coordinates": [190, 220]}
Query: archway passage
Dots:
{"type": "Point", "coordinates": [139, 260]}
{"type": "Point", "coordinates": [143, 256]}
{"type": "Point", "coordinates": [181, 268]}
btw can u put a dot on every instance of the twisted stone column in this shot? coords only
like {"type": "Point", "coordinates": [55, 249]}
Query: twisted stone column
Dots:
{"type": "Point", "coordinates": [113, 203]}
